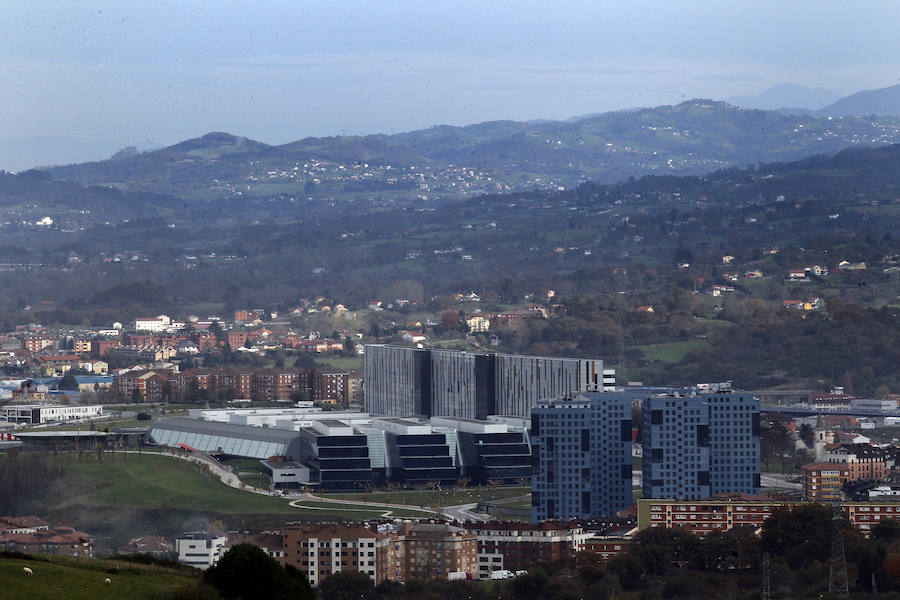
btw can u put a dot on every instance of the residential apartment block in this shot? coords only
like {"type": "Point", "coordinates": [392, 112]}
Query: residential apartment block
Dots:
{"type": "Point", "coordinates": [397, 552]}
{"type": "Point", "coordinates": [582, 453]}
{"type": "Point", "coordinates": [822, 482]}
{"type": "Point", "coordinates": [698, 445]}
{"type": "Point", "coordinates": [433, 550]}
{"type": "Point", "coordinates": [514, 546]}
{"type": "Point", "coordinates": [720, 514]}
{"type": "Point", "coordinates": [321, 550]}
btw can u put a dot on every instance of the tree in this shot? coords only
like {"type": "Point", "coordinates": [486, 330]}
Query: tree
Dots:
{"type": "Point", "coordinates": [449, 321]}
{"type": "Point", "coordinates": [807, 434]}
{"type": "Point", "coordinates": [68, 382]}
{"type": "Point", "coordinates": [246, 571]}
{"type": "Point", "coordinates": [349, 346]}
{"type": "Point", "coordinates": [799, 533]}
{"type": "Point", "coordinates": [215, 328]}
{"type": "Point", "coordinates": [347, 585]}
{"type": "Point", "coordinates": [887, 530]}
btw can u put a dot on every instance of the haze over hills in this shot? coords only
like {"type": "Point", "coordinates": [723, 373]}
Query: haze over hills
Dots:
{"type": "Point", "coordinates": [445, 162]}
{"type": "Point", "coordinates": [884, 101]}
{"type": "Point", "coordinates": [787, 95]}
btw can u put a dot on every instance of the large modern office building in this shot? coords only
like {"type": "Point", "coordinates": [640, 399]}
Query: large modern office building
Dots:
{"type": "Point", "coordinates": [404, 382]}
{"type": "Point", "coordinates": [350, 451]}
{"type": "Point", "coordinates": [698, 445]}
{"type": "Point", "coordinates": [582, 455]}
{"type": "Point", "coordinates": [397, 381]}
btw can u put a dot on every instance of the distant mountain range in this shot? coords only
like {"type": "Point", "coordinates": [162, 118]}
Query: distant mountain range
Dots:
{"type": "Point", "coordinates": [787, 95]}
{"type": "Point", "coordinates": [885, 101]}
{"type": "Point", "coordinates": [792, 99]}
{"type": "Point", "coordinates": [694, 137]}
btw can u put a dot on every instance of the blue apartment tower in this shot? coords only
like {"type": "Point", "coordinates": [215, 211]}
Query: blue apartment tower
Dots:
{"type": "Point", "coordinates": [581, 448]}
{"type": "Point", "coordinates": [699, 445]}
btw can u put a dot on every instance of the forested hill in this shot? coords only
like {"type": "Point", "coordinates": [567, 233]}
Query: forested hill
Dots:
{"type": "Point", "coordinates": [30, 196]}
{"type": "Point", "coordinates": [697, 136]}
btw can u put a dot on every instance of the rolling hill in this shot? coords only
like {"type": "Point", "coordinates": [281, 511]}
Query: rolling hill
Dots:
{"type": "Point", "coordinates": [884, 101]}
{"type": "Point", "coordinates": [694, 137]}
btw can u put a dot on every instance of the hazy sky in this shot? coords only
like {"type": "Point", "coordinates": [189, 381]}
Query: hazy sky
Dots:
{"type": "Point", "coordinates": [124, 72]}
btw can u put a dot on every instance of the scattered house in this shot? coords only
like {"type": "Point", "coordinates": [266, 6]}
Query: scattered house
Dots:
{"type": "Point", "coordinates": [148, 544]}
{"type": "Point", "coordinates": [645, 309]}
{"type": "Point", "coordinates": [727, 259]}
{"type": "Point", "coordinates": [797, 275]}
{"type": "Point", "coordinates": [817, 270]}
{"type": "Point", "coordinates": [851, 266]}
{"type": "Point", "coordinates": [479, 322]}
{"type": "Point", "coordinates": [753, 274]}
{"type": "Point", "coordinates": [33, 535]}
{"type": "Point", "coordinates": [804, 305]}
{"type": "Point", "coordinates": [28, 524]}
{"type": "Point", "coordinates": [413, 336]}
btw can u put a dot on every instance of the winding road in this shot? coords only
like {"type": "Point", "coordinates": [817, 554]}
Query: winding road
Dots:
{"type": "Point", "coordinates": [461, 512]}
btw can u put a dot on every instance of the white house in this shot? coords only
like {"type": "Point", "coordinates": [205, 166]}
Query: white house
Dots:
{"type": "Point", "coordinates": [200, 549]}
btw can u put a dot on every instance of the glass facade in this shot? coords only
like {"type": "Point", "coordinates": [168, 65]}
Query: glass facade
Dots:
{"type": "Point", "coordinates": [217, 440]}
{"type": "Point", "coordinates": [402, 381]}
{"type": "Point", "coordinates": [421, 457]}
{"type": "Point", "coordinates": [697, 446]}
{"type": "Point", "coordinates": [582, 456]}
{"type": "Point", "coordinates": [505, 456]}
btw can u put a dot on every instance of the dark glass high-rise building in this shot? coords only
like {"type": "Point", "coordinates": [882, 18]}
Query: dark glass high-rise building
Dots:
{"type": "Point", "coordinates": [698, 445]}
{"type": "Point", "coordinates": [581, 448]}
{"type": "Point", "coordinates": [402, 381]}
{"type": "Point", "coordinates": [397, 381]}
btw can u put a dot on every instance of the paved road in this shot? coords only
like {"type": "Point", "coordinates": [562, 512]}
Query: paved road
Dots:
{"type": "Point", "coordinates": [461, 512]}
{"type": "Point", "coordinates": [464, 512]}
{"type": "Point", "coordinates": [779, 481]}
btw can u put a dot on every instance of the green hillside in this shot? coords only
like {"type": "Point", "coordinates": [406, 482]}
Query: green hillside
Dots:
{"type": "Point", "coordinates": [74, 579]}
{"type": "Point", "coordinates": [696, 136]}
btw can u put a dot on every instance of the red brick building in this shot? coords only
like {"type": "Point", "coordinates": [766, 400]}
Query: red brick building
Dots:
{"type": "Point", "coordinates": [703, 516]}
{"type": "Point", "coordinates": [822, 482]}
{"type": "Point", "coordinates": [320, 550]}
{"type": "Point", "coordinates": [514, 546]}
{"type": "Point", "coordinates": [236, 339]}
{"type": "Point", "coordinates": [144, 386]}
{"type": "Point", "coordinates": [862, 461]}
{"type": "Point", "coordinates": [329, 387]}
{"type": "Point", "coordinates": [103, 347]}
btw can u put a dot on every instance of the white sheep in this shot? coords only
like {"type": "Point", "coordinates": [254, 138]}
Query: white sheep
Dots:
{"type": "Point", "coordinates": [107, 581]}
{"type": "Point", "coordinates": [27, 571]}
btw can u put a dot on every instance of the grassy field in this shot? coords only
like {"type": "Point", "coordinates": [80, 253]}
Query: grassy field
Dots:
{"type": "Point", "coordinates": [777, 466]}
{"type": "Point", "coordinates": [152, 482]}
{"type": "Point", "coordinates": [446, 497]}
{"type": "Point", "coordinates": [672, 352]}
{"type": "Point", "coordinates": [73, 579]}
{"type": "Point", "coordinates": [353, 363]}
